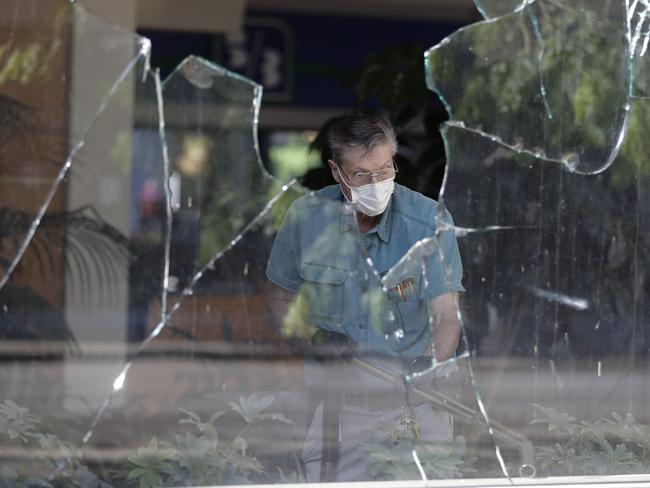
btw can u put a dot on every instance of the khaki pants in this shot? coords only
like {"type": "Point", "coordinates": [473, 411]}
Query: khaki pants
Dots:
{"type": "Point", "coordinates": [359, 426]}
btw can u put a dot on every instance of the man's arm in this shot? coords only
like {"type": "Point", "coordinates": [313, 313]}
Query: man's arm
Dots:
{"type": "Point", "coordinates": [445, 326]}
{"type": "Point", "coordinates": [279, 300]}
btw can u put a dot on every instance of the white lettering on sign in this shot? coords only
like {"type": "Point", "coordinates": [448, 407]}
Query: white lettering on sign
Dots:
{"type": "Point", "coordinates": [271, 68]}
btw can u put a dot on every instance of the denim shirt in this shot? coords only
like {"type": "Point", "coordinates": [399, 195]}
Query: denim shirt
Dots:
{"type": "Point", "coordinates": [319, 253]}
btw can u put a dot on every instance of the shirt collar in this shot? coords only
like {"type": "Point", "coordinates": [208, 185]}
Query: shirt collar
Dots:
{"type": "Point", "coordinates": [348, 221]}
{"type": "Point", "coordinates": [382, 228]}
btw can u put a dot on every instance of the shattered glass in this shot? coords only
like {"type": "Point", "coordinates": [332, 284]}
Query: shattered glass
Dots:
{"type": "Point", "coordinates": [141, 339]}
{"type": "Point", "coordinates": [35, 66]}
{"type": "Point", "coordinates": [527, 59]}
{"type": "Point", "coordinates": [545, 179]}
{"type": "Point", "coordinates": [218, 182]}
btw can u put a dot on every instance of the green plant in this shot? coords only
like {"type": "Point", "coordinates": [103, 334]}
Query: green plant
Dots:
{"type": "Point", "coordinates": [201, 456]}
{"type": "Point", "coordinates": [38, 459]}
{"type": "Point", "coordinates": [609, 445]}
{"type": "Point", "coordinates": [393, 458]}
{"type": "Point", "coordinates": [151, 463]}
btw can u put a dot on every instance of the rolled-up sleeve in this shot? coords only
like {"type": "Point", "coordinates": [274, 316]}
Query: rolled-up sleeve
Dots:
{"type": "Point", "coordinates": [443, 270]}
{"type": "Point", "coordinates": [283, 265]}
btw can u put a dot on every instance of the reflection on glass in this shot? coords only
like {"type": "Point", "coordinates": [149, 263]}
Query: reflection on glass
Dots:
{"type": "Point", "coordinates": [497, 8]}
{"type": "Point", "coordinates": [549, 79]}
{"type": "Point", "coordinates": [221, 184]}
{"type": "Point", "coordinates": [638, 38]}
{"type": "Point", "coordinates": [36, 50]}
{"type": "Point", "coordinates": [554, 311]}
{"type": "Point", "coordinates": [74, 275]}
{"type": "Point", "coordinates": [290, 154]}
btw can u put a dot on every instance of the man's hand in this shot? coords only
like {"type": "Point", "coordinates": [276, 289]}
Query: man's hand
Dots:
{"type": "Point", "coordinates": [445, 328]}
{"type": "Point", "coordinates": [326, 344]}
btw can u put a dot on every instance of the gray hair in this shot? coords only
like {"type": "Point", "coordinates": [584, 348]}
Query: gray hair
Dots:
{"type": "Point", "coordinates": [360, 130]}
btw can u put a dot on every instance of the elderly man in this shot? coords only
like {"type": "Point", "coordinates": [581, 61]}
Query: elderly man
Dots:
{"type": "Point", "coordinates": [327, 264]}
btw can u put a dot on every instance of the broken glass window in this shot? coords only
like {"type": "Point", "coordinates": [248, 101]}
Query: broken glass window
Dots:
{"type": "Point", "coordinates": [218, 182]}
{"type": "Point", "coordinates": [140, 339]}
{"type": "Point", "coordinates": [545, 180]}
{"type": "Point", "coordinates": [36, 79]}
{"type": "Point", "coordinates": [75, 273]}
{"type": "Point", "coordinates": [550, 79]}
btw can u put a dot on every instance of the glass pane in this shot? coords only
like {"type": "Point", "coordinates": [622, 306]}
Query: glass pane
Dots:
{"type": "Point", "coordinates": [550, 80]}
{"type": "Point", "coordinates": [77, 190]}
{"type": "Point", "coordinates": [52, 59]}
{"type": "Point", "coordinates": [555, 307]}
{"type": "Point", "coordinates": [172, 314]}
{"type": "Point", "coordinates": [218, 182]}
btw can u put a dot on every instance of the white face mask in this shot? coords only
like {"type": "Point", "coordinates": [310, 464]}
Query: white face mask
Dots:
{"type": "Point", "coordinates": [371, 199]}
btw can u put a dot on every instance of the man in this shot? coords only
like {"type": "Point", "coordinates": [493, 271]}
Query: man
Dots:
{"type": "Point", "coordinates": [330, 260]}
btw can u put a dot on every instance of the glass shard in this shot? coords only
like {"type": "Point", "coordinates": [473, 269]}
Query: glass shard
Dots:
{"type": "Point", "coordinates": [553, 258]}
{"type": "Point", "coordinates": [218, 182]}
{"type": "Point", "coordinates": [74, 61]}
{"type": "Point", "coordinates": [565, 300]}
{"type": "Point", "coordinates": [73, 270]}
{"type": "Point", "coordinates": [549, 79]}
{"type": "Point", "coordinates": [227, 267]}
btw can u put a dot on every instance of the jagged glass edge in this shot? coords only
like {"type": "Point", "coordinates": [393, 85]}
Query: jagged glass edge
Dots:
{"type": "Point", "coordinates": [430, 82]}
{"type": "Point", "coordinates": [566, 165]}
{"type": "Point", "coordinates": [143, 52]}
{"type": "Point", "coordinates": [162, 134]}
{"type": "Point", "coordinates": [257, 102]}
{"type": "Point", "coordinates": [166, 316]}
{"type": "Point", "coordinates": [470, 367]}
{"type": "Point", "coordinates": [483, 11]}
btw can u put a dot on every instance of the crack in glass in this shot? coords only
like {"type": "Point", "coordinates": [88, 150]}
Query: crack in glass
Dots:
{"type": "Point", "coordinates": [209, 150]}
{"type": "Point", "coordinates": [28, 66]}
{"type": "Point", "coordinates": [551, 288]}
{"type": "Point", "coordinates": [497, 8]}
{"type": "Point", "coordinates": [638, 38]}
{"type": "Point", "coordinates": [520, 60]}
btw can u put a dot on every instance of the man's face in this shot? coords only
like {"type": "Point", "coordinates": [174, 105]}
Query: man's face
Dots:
{"type": "Point", "coordinates": [358, 161]}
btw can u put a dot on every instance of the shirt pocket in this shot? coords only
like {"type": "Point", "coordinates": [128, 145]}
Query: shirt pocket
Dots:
{"type": "Point", "coordinates": [407, 305]}
{"type": "Point", "coordinates": [323, 287]}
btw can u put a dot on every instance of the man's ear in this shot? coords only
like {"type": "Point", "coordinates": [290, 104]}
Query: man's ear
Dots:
{"type": "Point", "coordinates": [334, 170]}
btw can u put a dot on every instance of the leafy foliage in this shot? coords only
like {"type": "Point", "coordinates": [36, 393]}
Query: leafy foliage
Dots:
{"type": "Point", "coordinates": [16, 422]}
{"type": "Point", "coordinates": [30, 62]}
{"type": "Point", "coordinates": [201, 456]}
{"type": "Point", "coordinates": [151, 463]}
{"type": "Point", "coordinates": [39, 452]}
{"type": "Point", "coordinates": [393, 458]}
{"type": "Point", "coordinates": [610, 445]}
